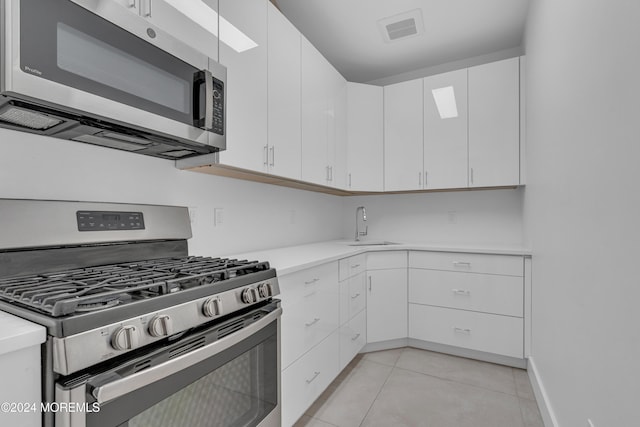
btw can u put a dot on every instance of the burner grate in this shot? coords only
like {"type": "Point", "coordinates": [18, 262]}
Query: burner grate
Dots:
{"type": "Point", "coordinates": [96, 288]}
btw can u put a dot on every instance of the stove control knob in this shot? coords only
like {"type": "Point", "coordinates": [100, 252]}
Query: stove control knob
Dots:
{"type": "Point", "coordinates": [161, 326]}
{"type": "Point", "coordinates": [249, 296]}
{"type": "Point", "coordinates": [212, 307]}
{"type": "Point", "coordinates": [125, 338]}
{"type": "Point", "coordinates": [265, 290]}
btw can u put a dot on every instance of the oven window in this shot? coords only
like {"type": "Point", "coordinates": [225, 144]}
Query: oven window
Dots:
{"type": "Point", "coordinates": [232, 395]}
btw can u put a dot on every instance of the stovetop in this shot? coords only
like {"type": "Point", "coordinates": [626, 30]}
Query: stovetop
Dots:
{"type": "Point", "coordinates": [91, 289]}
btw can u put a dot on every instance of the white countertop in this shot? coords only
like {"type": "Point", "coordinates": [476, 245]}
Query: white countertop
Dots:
{"type": "Point", "coordinates": [17, 333]}
{"type": "Point", "coordinates": [295, 258]}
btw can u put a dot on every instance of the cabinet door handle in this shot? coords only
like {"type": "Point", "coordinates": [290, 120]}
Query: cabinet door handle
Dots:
{"type": "Point", "coordinates": [356, 337]}
{"type": "Point", "coordinates": [461, 292]}
{"type": "Point", "coordinates": [349, 180]}
{"type": "Point", "coordinates": [273, 156]}
{"type": "Point", "coordinates": [369, 283]}
{"type": "Point", "coordinates": [355, 296]}
{"type": "Point", "coordinates": [471, 175]}
{"type": "Point", "coordinates": [315, 375]}
{"type": "Point", "coordinates": [355, 266]}
{"type": "Point", "coordinates": [265, 155]}
{"type": "Point", "coordinates": [465, 331]}
{"type": "Point", "coordinates": [311, 294]}
{"type": "Point", "coordinates": [313, 322]}
{"type": "Point", "coordinates": [426, 176]}
{"type": "Point", "coordinates": [147, 12]}
{"type": "Point", "coordinates": [312, 281]}
{"type": "Point", "coordinates": [461, 264]}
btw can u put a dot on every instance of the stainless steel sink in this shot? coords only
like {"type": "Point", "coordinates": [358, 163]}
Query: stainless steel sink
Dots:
{"type": "Point", "coordinates": [373, 243]}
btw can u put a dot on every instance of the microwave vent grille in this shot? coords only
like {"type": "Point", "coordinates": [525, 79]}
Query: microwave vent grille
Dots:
{"type": "Point", "coordinates": [28, 119]}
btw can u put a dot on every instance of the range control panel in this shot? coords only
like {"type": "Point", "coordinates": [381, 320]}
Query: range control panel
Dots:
{"type": "Point", "coordinates": [107, 220]}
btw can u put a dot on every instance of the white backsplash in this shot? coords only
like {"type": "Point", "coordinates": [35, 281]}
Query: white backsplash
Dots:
{"type": "Point", "coordinates": [254, 216]}
{"type": "Point", "coordinates": [487, 217]}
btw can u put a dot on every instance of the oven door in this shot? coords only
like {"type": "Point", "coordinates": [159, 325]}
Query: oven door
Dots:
{"type": "Point", "coordinates": [199, 381]}
{"type": "Point", "coordinates": [132, 72]}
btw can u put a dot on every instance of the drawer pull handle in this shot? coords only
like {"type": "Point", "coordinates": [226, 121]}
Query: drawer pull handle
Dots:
{"type": "Point", "coordinates": [369, 283]}
{"type": "Point", "coordinates": [462, 264]}
{"type": "Point", "coordinates": [355, 266]}
{"type": "Point", "coordinates": [315, 375]}
{"type": "Point", "coordinates": [355, 296]}
{"type": "Point", "coordinates": [465, 331]}
{"type": "Point", "coordinates": [311, 282]}
{"type": "Point", "coordinates": [311, 294]}
{"type": "Point", "coordinates": [356, 337]}
{"type": "Point", "coordinates": [461, 292]}
{"type": "Point", "coordinates": [313, 322]}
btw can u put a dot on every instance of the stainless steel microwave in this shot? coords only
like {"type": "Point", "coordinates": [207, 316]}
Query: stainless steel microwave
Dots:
{"type": "Point", "coordinates": [91, 71]}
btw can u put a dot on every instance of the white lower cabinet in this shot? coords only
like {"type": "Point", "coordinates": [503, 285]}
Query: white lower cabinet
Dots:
{"type": "Point", "coordinates": [308, 377]}
{"type": "Point", "coordinates": [353, 336]}
{"type": "Point", "coordinates": [467, 329]}
{"type": "Point", "coordinates": [470, 301]}
{"type": "Point", "coordinates": [386, 296]}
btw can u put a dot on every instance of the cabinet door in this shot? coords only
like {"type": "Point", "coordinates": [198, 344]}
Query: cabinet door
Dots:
{"type": "Point", "coordinates": [494, 124]}
{"type": "Point", "coordinates": [365, 137]}
{"type": "Point", "coordinates": [337, 138]}
{"type": "Point", "coordinates": [315, 114]}
{"type": "Point", "coordinates": [283, 95]}
{"type": "Point", "coordinates": [194, 23]}
{"type": "Point", "coordinates": [386, 305]}
{"type": "Point", "coordinates": [246, 85]}
{"type": "Point", "coordinates": [445, 130]}
{"type": "Point", "coordinates": [403, 138]}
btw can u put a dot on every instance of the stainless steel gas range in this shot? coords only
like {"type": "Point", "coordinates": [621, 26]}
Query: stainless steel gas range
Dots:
{"type": "Point", "coordinates": [140, 333]}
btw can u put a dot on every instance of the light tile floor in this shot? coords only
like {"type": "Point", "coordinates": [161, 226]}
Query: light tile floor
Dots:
{"type": "Point", "coordinates": [418, 388]}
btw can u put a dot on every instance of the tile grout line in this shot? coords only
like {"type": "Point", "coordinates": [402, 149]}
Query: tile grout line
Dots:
{"type": "Point", "coordinates": [380, 391]}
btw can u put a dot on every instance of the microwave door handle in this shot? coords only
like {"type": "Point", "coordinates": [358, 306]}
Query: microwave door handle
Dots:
{"type": "Point", "coordinates": [123, 386]}
{"type": "Point", "coordinates": [203, 77]}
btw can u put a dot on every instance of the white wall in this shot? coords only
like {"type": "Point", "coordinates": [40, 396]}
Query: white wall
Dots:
{"type": "Point", "coordinates": [488, 217]}
{"type": "Point", "coordinates": [582, 206]}
{"type": "Point", "coordinates": [255, 216]}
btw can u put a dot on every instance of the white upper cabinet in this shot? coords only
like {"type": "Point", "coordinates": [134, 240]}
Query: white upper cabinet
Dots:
{"type": "Point", "coordinates": [246, 83]}
{"type": "Point", "coordinates": [315, 114]}
{"type": "Point", "coordinates": [283, 153]}
{"type": "Point", "coordinates": [194, 23]}
{"type": "Point", "coordinates": [494, 124]}
{"type": "Point", "coordinates": [323, 120]}
{"type": "Point", "coordinates": [365, 137]}
{"type": "Point", "coordinates": [403, 128]}
{"type": "Point", "coordinates": [445, 130]}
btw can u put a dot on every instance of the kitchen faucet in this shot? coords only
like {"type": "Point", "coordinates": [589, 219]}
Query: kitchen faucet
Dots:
{"type": "Point", "coordinates": [364, 218]}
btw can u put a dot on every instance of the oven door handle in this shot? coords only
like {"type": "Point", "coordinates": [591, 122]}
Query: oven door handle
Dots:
{"type": "Point", "coordinates": [113, 390]}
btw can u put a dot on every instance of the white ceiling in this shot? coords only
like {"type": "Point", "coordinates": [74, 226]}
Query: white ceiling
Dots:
{"type": "Point", "coordinates": [347, 33]}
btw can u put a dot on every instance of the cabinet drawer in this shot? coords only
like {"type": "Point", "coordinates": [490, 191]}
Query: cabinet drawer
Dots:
{"type": "Point", "coordinates": [296, 287]}
{"type": "Point", "coordinates": [353, 298]}
{"type": "Point", "coordinates": [487, 293]}
{"type": "Point", "coordinates": [386, 260]}
{"type": "Point", "coordinates": [307, 323]}
{"type": "Point", "coordinates": [510, 265]}
{"type": "Point", "coordinates": [353, 336]}
{"type": "Point", "coordinates": [308, 377]}
{"type": "Point", "coordinates": [476, 331]}
{"type": "Point", "coordinates": [349, 267]}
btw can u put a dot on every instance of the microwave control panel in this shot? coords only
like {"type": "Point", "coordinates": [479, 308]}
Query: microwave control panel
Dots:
{"type": "Point", "coordinates": [218, 107]}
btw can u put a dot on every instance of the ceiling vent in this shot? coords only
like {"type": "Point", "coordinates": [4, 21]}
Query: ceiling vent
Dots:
{"type": "Point", "coordinates": [402, 26]}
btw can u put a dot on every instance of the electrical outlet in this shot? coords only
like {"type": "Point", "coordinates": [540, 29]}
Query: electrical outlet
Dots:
{"type": "Point", "coordinates": [590, 423]}
{"type": "Point", "coordinates": [452, 217]}
{"type": "Point", "coordinates": [193, 210]}
{"type": "Point", "coordinates": [218, 216]}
